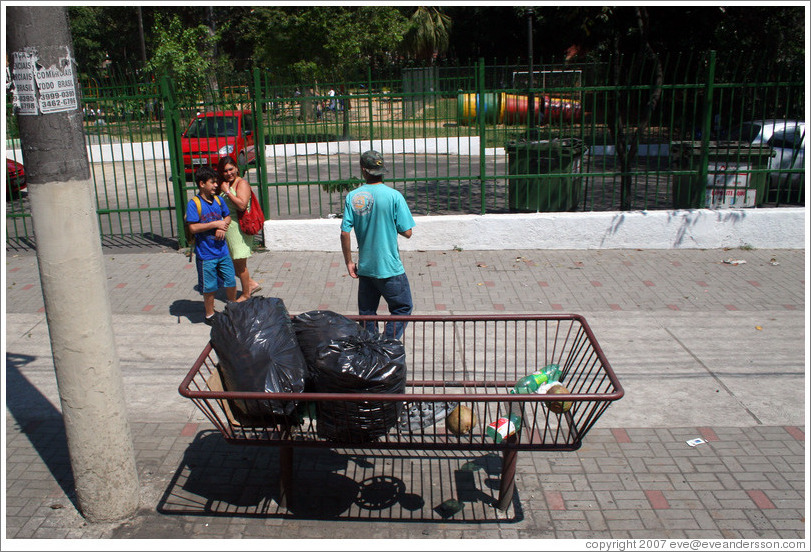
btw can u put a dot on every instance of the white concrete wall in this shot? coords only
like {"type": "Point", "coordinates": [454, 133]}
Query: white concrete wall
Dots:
{"type": "Point", "coordinates": [117, 151]}
{"type": "Point", "coordinates": [468, 145]}
{"type": "Point", "coordinates": [138, 151]}
{"type": "Point", "coordinates": [783, 228]}
{"type": "Point", "coordinates": [447, 145]}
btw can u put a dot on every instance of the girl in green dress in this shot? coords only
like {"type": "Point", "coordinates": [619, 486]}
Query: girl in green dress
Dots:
{"type": "Point", "coordinates": [237, 193]}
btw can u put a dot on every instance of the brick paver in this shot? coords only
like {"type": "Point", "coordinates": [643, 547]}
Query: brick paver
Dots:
{"type": "Point", "coordinates": [627, 481]}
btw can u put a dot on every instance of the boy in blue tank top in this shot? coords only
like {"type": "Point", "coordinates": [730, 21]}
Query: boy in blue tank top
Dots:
{"type": "Point", "coordinates": [378, 214]}
{"type": "Point", "coordinates": [214, 266]}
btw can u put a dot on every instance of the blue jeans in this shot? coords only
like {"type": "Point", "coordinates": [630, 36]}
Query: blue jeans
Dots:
{"type": "Point", "coordinates": [397, 293]}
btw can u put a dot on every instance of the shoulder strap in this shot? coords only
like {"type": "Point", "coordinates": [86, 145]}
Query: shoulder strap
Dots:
{"type": "Point", "coordinates": [196, 200]}
{"type": "Point", "coordinates": [199, 205]}
{"type": "Point", "coordinates": [250, 194]}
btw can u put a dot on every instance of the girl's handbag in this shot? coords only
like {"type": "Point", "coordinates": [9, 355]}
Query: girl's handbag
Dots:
{"type": "Point", "coordinates": [252, 219]}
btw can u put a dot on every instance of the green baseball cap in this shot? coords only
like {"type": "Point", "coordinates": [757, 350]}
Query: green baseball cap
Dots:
{"type": "Point", "coordinates": [372, 161]}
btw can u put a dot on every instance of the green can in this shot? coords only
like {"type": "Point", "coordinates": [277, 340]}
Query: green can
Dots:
{"type": "Point", "coordinates": [545, 175]}
{"type": "Point", "coordinates": [736, 175]}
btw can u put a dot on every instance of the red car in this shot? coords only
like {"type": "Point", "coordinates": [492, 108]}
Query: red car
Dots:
{"type": "Point", "coordinates": [216, 134]}
{"type": "Point", "coordinates": [15, 179]}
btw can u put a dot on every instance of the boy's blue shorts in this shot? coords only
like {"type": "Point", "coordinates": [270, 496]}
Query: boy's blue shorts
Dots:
{"type": "Point", "coordinates": [213, 274]}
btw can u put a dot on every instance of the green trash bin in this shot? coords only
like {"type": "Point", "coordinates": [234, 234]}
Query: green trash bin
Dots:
{"type": "Point", "coordinates": [528, 160]}
{"type": "Point", "coordinates": [729, 181]}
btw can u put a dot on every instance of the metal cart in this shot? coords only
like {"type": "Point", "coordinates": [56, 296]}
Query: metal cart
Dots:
{"type": "Point", "coordinates": [471, 360]}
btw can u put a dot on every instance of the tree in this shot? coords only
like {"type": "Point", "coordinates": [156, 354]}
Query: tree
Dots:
{"type": "Point", "coordinates": [313, 38]}
{"type": "Point", "coordinates": [428, 34]}
{"type": "Point", "coordinates": [623, 35]}
{"type": "Point", "coordinates": [628, 126]}
{"type": "Point", "coordinates": [234, 47]}
{"type": "Point", "coordinates": [325, 42]}
{"type": "Point", "coordinates": [105, 37]}
{"type": "Point", "coordinates": [181, 53]}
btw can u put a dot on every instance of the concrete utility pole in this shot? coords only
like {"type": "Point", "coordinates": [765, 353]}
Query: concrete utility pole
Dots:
{"type": "Point", "coordinates": [71, 268]}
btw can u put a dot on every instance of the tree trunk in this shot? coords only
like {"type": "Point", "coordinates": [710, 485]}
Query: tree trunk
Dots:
{"type": "Point", "coordinates": [626, 134]}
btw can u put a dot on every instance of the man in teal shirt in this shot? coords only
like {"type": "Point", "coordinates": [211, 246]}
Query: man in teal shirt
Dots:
{"type": "Point", "coordinates": [378, 214]}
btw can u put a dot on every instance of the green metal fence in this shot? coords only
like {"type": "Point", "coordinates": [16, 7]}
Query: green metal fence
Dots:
{"type": "Point", "coordinates": [456, 140]}
{"type": "Point", "coordinates": [126, 136]}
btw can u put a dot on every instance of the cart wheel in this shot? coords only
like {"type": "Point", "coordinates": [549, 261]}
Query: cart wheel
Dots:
{"type": "Point", "coordinates": [380, 492]}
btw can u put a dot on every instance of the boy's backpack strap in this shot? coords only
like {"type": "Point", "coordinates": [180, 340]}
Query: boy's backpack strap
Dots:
{"type": "Point", "coordinates": [196, 200]}
{"type": "Point", "coordinates": [190, 237]}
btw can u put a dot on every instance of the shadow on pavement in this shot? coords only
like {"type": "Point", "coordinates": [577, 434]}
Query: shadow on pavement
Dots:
{"type": "Point", "coordinates": [40, 422]}
{"type": "Point", "coordinates": [216, 478]}
{"type": "Point", "coordinates": [192, 310]}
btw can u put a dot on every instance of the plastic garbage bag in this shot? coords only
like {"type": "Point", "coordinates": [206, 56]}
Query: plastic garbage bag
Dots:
{"type": "Point", "coordinates": [317, 328]}
{"type": "Point", "coordinates": [362, 364]}
{"type": "Point", "coordinates": [258, 351]}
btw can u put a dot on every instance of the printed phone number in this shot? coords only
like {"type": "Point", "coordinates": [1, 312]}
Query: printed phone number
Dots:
{"type": "Point", "coordinates": [45, 104]}
{"type": "Point", "coordinates": [57, 95]}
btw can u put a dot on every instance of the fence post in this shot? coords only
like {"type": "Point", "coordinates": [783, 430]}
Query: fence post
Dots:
{"type": "Point", "coordinates": [371, 115]}
{"type": "Point", "coordinates": [173, 132]}
{"type": "Point", "coordinates": [482, 129]}
{"type": "Point", "coordinates": [705, 128]}
{"type": "Point", "coordinates": [259, 139]}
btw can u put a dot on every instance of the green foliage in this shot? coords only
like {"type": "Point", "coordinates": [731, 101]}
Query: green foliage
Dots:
{"type": "Point", "coordinates": [325, 42]}
{"type": "Point", "coordinates": [86, 31]}
{"type": "Point", "coordinates": [339, 43]}
{"type": "Point", "coordinates": [180, 52]}
{"type": "Point", "coordinates": [104, 38]}
{"type": "Point", "coordinates": [428, 33]}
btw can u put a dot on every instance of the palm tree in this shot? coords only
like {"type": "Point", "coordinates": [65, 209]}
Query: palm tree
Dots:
{"type": "Point", "coordinates": [429, 33]}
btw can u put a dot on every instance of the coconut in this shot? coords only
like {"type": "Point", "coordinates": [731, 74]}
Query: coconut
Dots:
{"type": "Point", "coordinates": [461, 420]}
{"type": "Point", "coordinates": [558, 407]}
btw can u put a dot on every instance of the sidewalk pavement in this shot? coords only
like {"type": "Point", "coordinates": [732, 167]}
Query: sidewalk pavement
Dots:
{"type": "Point", "coordinates": [704, 348]}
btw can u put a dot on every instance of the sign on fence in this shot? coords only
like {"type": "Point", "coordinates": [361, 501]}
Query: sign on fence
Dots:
{"type": "Point", "coordinates": [729, 188]}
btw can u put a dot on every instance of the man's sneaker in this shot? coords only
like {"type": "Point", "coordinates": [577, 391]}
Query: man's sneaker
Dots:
{"type": "Point", "coordinates": [208, 320]}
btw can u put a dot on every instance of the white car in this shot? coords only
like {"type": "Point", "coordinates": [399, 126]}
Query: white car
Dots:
{"type": "Point", "coordinates": [789, 155]}
{"type": "Point", "coordinates": [759, 131]}
{"type": "Point", "coordinates": [787, 140]}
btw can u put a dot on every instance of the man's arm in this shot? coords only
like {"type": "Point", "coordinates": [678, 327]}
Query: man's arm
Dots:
{"type": "Point", "coordinates": [346, 248]}
{"type": "Point", "coordinates": [406, 234]}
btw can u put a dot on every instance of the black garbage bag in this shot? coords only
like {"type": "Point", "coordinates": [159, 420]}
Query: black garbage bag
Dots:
{"type": "Point", "coordinates": [258, 351]}
{"type": "Point", "coordinates": [317, 328]}
{"type": "Point", "coordinates": [362, 364]}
